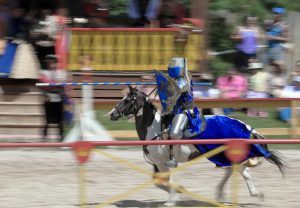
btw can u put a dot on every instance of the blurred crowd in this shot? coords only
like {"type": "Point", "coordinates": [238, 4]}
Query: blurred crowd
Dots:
{"type": "Point", "coordinates": [40, 30]}
{"type": "Point", "coordinates": [42, 23]}
{"type": "Point", "coordinates": [257, 72]}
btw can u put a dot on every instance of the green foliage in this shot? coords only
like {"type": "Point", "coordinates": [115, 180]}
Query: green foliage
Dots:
{"type": "Point", "coordinates": [218, 66]}
{"type": "Point", "coordinates": [259, 8]}
{"type": "Point", "coordinates": [219, 34]}
{"type": "Point", "coordinates": [118, 7]}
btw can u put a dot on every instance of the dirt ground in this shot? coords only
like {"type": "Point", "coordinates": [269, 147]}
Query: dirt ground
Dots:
{"type": "Point", "coordinates": [49, 178]}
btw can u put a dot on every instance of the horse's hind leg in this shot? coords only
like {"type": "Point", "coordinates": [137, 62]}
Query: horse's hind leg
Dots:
{"type": "Point", "coordinates": [220, 188]}
{"type": "Point", "coordinates": [245, 172]}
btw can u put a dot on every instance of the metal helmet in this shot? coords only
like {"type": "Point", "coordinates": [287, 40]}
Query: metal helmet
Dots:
{"type": "Point", "coordinates": [176, 67]}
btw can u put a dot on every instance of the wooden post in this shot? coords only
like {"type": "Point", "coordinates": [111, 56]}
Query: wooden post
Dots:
{"type": "Point", "coordinates": [199, 10]}
{"type": "Point", "coordinates": [294, 118]}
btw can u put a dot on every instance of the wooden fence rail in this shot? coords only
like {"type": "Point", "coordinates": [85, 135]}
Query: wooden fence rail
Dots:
{"type": "Point", "coordinates": [293, 103]}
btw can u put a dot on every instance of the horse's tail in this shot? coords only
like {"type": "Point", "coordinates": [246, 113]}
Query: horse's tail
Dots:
{"type": "Point", "coordinates": [256, 135]}
{"type": "Point", "coordinates": [275, 158]}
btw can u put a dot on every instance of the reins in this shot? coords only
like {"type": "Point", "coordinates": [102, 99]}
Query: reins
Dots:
{"type": "Point", "coordinates": [152, 92]}
{"type": "Point", "coordinates": [147, 97]}
{"type": "Point", "coordinates": [121, 110]}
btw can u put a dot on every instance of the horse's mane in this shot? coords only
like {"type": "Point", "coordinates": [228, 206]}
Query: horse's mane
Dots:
{"type": "Point", "coordinates": [147, 98]}
{"type": "Point", "coordinates": [149, 101]}
{"type": "Point", "coordinates": [143, 122]}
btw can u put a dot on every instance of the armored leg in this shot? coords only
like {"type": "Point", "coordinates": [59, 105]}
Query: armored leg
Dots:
{"type": "Point", "coordinates": [178, 125]}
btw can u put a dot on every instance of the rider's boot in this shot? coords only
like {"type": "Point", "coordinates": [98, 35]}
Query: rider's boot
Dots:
{"type": "Point", "coordinates": [172, 163]}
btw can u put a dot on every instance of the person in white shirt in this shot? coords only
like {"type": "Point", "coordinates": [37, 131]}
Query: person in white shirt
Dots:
{"type": "Point", "coordinates": [291, 91]}
{"type": "Point", "coordinates": [54, 96]}
{"type": "Point", "coordinates": [258, 87]}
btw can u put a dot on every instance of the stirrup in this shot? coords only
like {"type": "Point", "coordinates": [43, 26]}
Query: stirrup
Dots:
{"type": "Point", "coordinates": [172, 163]}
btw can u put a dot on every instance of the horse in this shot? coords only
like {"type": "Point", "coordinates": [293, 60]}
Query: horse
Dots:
{"type": "Point", "coordinates": [148, 126]}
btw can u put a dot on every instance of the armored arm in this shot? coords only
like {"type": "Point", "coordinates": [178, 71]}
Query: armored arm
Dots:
{"type": "Point", "coordinates": [183, 85]}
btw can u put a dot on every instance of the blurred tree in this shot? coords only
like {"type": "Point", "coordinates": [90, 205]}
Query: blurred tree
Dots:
{"type": "Point", "coordinates": [118, 7]}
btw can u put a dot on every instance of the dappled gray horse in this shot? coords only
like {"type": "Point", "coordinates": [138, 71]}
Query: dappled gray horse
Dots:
{"type": "Point", "coordinates": [148, 125]}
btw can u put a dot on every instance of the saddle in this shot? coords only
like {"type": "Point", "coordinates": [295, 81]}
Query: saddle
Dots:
{"type": "Point", "coordinates": [196, 126]}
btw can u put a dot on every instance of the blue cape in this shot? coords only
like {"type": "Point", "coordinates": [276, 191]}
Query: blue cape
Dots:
{"type": "Point", "coordinates": [223, 127]}
{"type": "Point", "coordinates": [7, 59]}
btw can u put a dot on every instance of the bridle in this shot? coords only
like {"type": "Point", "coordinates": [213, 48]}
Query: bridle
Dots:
{"type": "Point", "coordinates": [131, 102]}
{"type": "Point", "coordinates": [121, 110]}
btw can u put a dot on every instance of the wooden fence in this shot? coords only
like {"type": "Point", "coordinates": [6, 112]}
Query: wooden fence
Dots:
{"type": "Point", "coordinates": [293, 131]}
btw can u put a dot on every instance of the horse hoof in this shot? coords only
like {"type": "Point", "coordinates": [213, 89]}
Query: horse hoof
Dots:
{"type": "Point", "coordinates": [261, 196]}
{"type": "Point", "coordinates": [169, 204]}
{"type": "Point", "coordinates": [220, 197]}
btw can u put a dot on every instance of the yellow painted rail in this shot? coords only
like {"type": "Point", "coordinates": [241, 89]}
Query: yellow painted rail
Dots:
{"type": "Point", "coordinates": [133, 49]}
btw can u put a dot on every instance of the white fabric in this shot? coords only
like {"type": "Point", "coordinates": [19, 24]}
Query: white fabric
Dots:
{"type": "Point", "coordinates": [290, 92]}
{"type": "Point", "coordinates": [26, 64]}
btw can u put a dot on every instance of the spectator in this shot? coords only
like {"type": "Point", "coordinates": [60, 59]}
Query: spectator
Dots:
{"type": "Point", "coordinates": [50, 36]}
{"type": "Point", "coordinates": [171, 12]}
{"type": "Point", "coordinates": [232, 85]}
{"type": "Point", "coordinates": [97, 12]}
{"type": "Point", "coordinates": [258, 87]}
{"type": "Point", "coordinates": [58, 24]}
{"type": "Point", "coordinates": [54, 96]}
{"type": "Point", "coordinates": [247, 37]}
{"type": "Point", "coordinates": [297, 69]}
{"type": "Point", "coordinates": [43, 41]}
{"type": "Point", "coordinates": [4, 19]}
{"type": "Point", "coordinates": [3, 23]}
{"type": "Point", "coordinates": [277, 35]}
{"type": "Point", "coordinates": [278, 79]}
{"type": "Point", "coordinates": [291, 91]}
{"type": "Point", "coordinates": [206, 92]}
{"type": "Point", "coordinates": [143, 13]}
{"type": "Point", "coordinates": [18, 26]}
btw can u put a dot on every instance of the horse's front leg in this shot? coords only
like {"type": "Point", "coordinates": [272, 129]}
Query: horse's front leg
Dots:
{"type": "Point", "coordinates": [162, 180]}
{"type": "Point", "coordinates": [221, 185]}
{"type": "Point", "coordinates": [245, 172]}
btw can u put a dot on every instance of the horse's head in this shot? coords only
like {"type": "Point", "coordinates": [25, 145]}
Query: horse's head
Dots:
{"type": "Point", "coordinates": [129, 105]}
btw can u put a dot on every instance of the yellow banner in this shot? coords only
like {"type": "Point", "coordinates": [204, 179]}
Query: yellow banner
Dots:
{"type": "Point", "coordinates": [133, 49]}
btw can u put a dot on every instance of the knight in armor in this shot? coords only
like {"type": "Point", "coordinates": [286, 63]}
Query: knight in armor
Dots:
{"type": "Point", "coordinates": [176, 96]}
